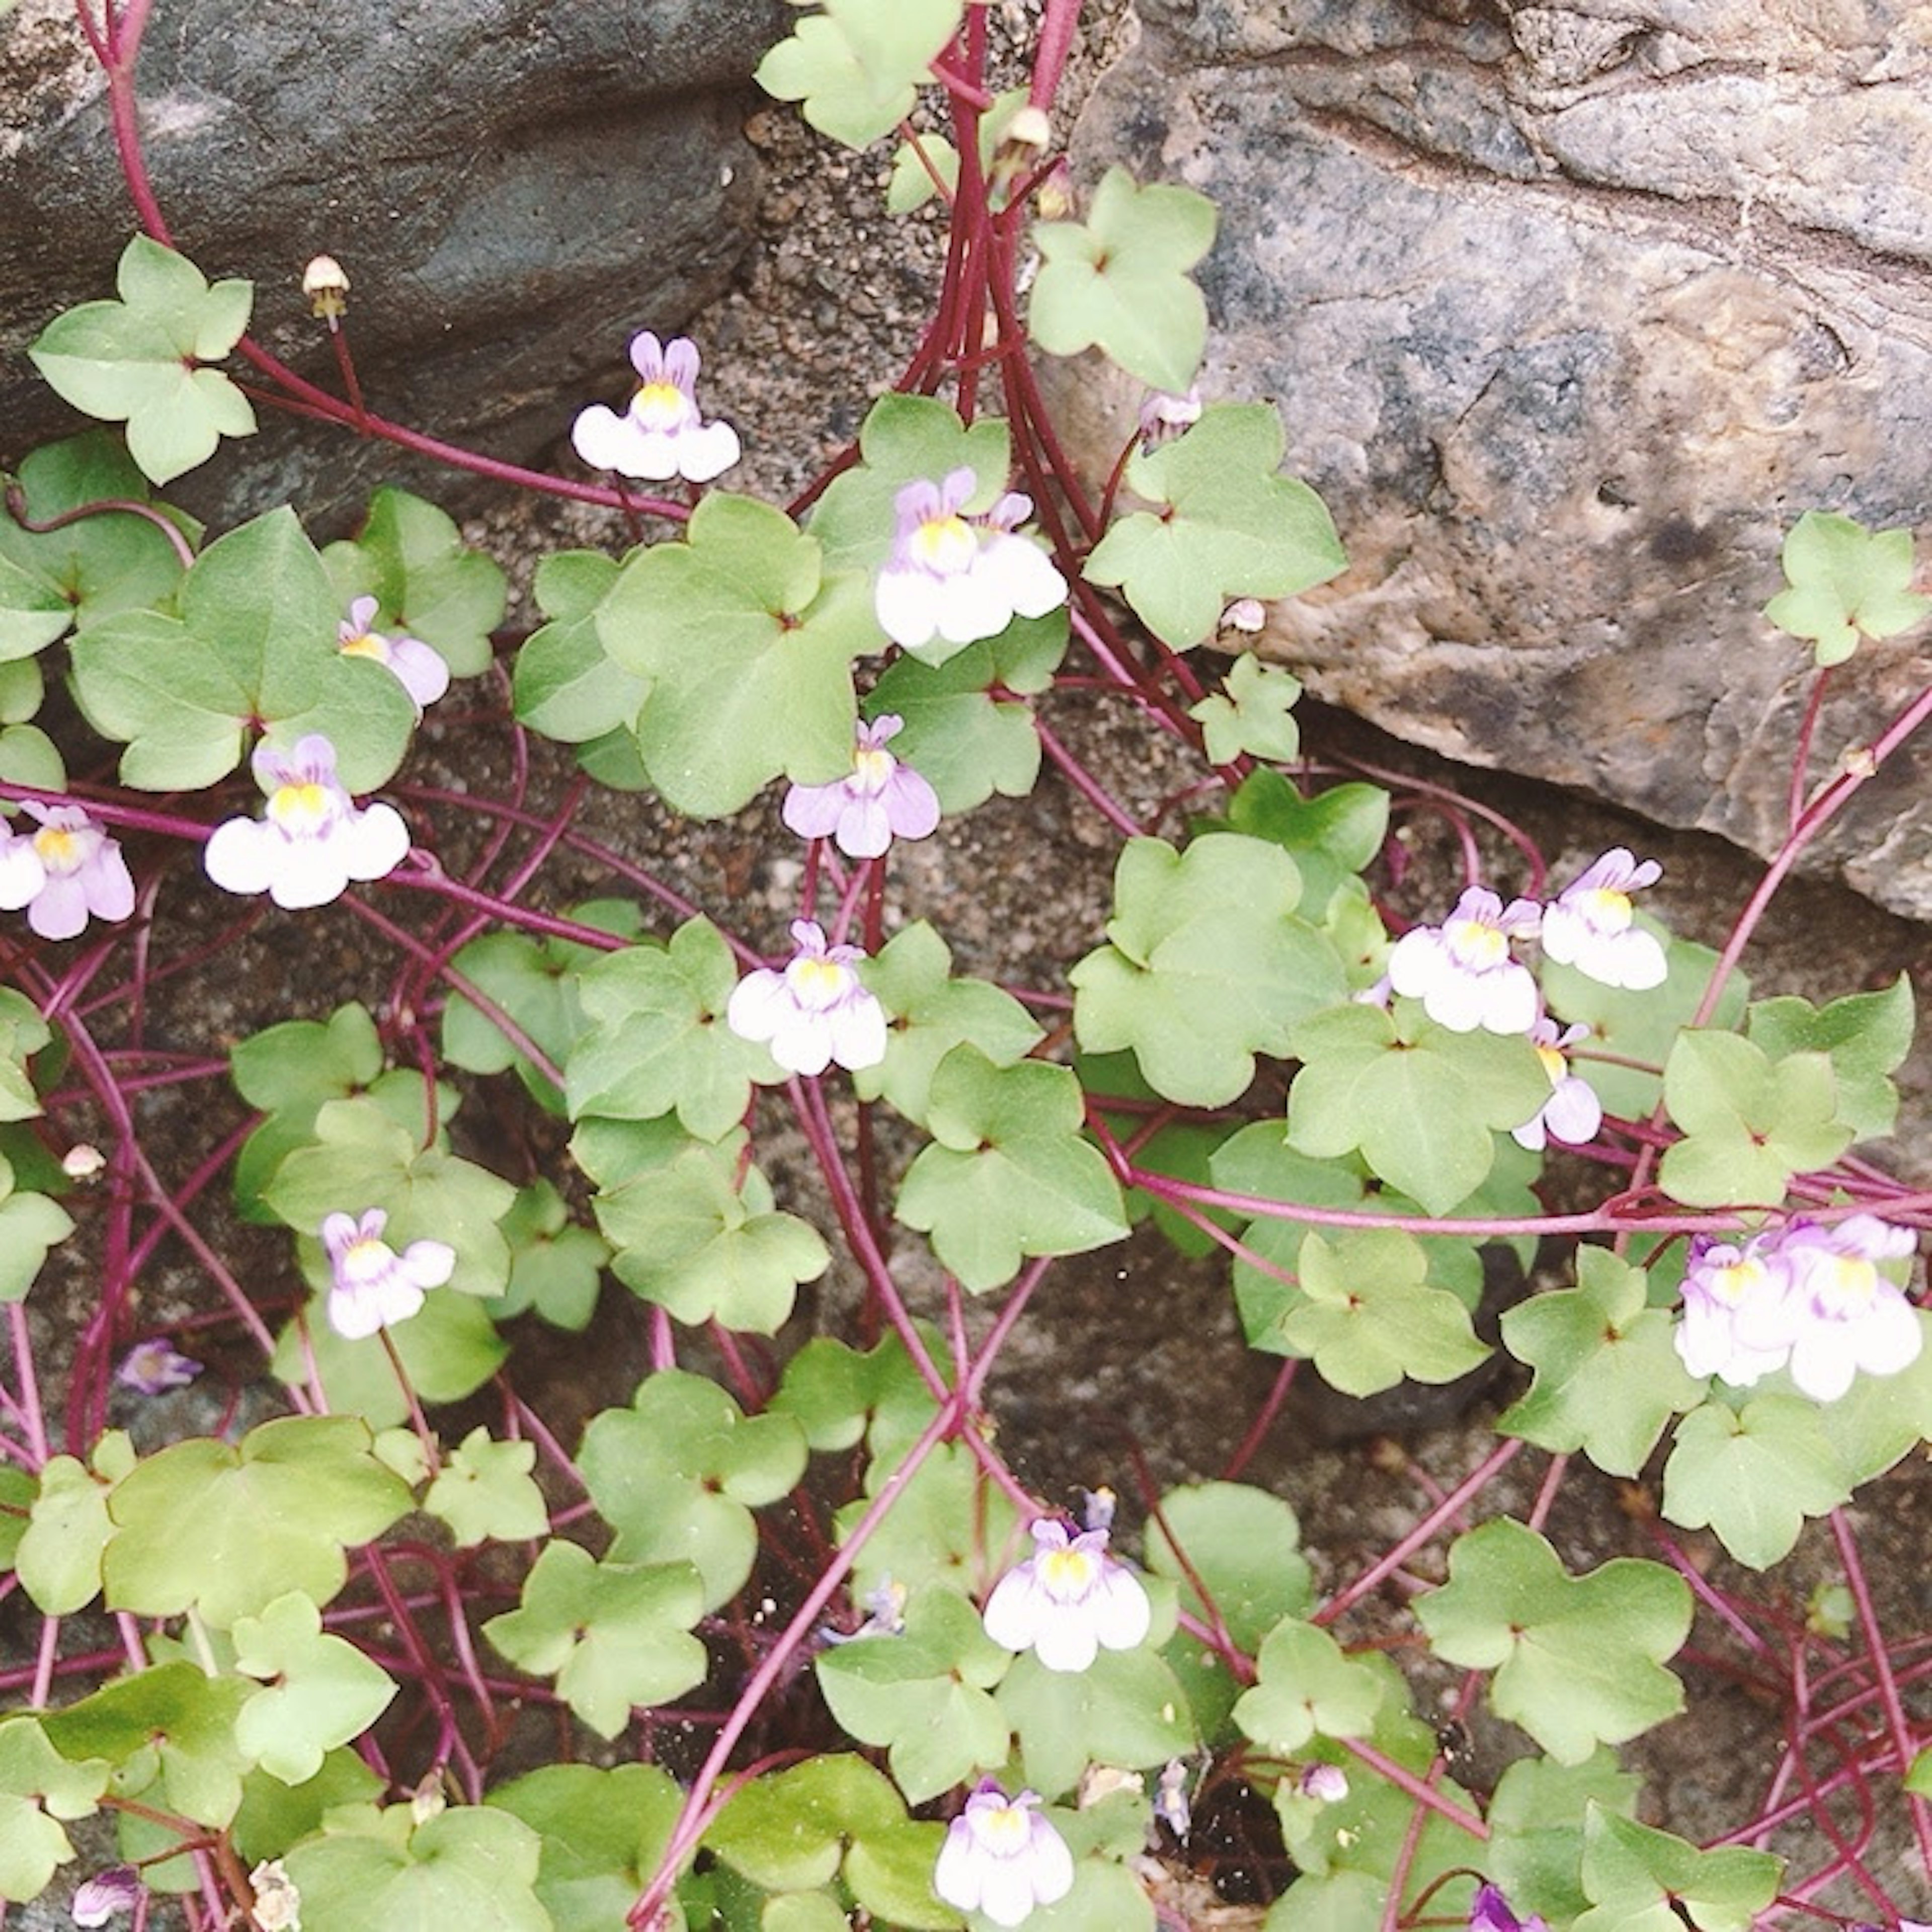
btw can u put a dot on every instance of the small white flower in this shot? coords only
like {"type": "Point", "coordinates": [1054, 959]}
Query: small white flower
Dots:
{"type": "Point", "coordinates": [311, 839]}
{"type": "Point", "coordinates": [660, 435]}
{"type": "Point", "coordinates": [1850, 1317]}
{"type": "Point", "coordinates": [1067, 1600]}
{"type": "Point", "coordinates": [1572, 1113]}
{"type": "Point", "coordinates": [881, 800]}
{"type": "Point", "coordinates": [1737, 1323]}
{"type": "Point", "coordinates": [1462, 971]}
{"type": "Point", "coordinates": [374, 1287]}
{"type": "Point", "coordinates": [1001, 1857]}
{"type": "Point", "coordinates": [69, 870]}
{"type": "Point", "coordinates": [1589, 925]}
{"type": "Point", "coordinates": [815, 1012]}
{"type": "Point", "coordinates": [958, 578]}
{"type": "Point", "coordinates": [418, 666]}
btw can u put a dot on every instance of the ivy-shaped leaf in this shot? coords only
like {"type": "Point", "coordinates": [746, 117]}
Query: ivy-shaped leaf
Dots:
{"type": "Point", "coordinates": [58, 1556]}
{"type": "Point", "coordinates": [1641, 1880]}
{"type": "Point", "coordinates": [1844, 582]}
{"type": "Point", "coordinates": [1009, 1175]}
{"type": "Point", "coordinates": [1536, 1820]}
{"type": "Point", "coordinates": [319, 1691]}
{"type": "Point", "coordinates": [947, 1525]}
{"type": "Point", "coordinates": [1125, 1708]}
{"type": "Point", "coordinates": [1253, 711]}
{"type": "Point", "coordinates": [555, 1267]}
{"type": "Point", "coordinates": [1227, 526]}
{"type": "Point", "coordinates": [1608, 1377]}
{"type": "Point", "coordinates": [1578, 1660]}
{"type": "Point", "coordinates": [614, 1635]}
{"type": "Point", "coordinates": [1331, 837]}
{"type": "Point", "coordinates": [1206, 966]}
{"type": "Point", "coordinates": [30, 1224]}
{"type": "Point", "coordinates": [1121, 281]}
{"type": "Point", "coordinates": [744, 595]}
{"type": "Point", "coordinates": [256, 643]}
{"type": "Point", "coordinates": [677, 1475]}
{"type": "Point", "coordinates": [839, 1397]}
{"type": "Point", "coordinates": [1306, 1687]}
{"type": "Point", "coordinates": [1750, 1123]}
{"type": "Point", "coordinates": [39, 1791]}
{"type": "Point", "coordinates": [427, 583]}
{"type": "Point", "coordinates": [858, 65]}
{"type": "Point", "coordinates": [566, 685]}
{"type": "Point", "coordinates": [929, 1013]}
{"type": "Point", "coordinates": [1867, 1036]}
{"type": "Point", "coordinates": [484, 1490]}
{"type": "Point", "coordinates": [789, 1832]}
{"type": "Point", "coordinates": [1752, 1475]}
{"type": "Point", "coordinates": [139, 360]}
{"type": "Point", "coordinates": [603, 1832]}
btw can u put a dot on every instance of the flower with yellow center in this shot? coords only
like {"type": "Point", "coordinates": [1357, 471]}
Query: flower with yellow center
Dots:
{"type": "Point", "coordinates": [1463, 970]}
{"type": "Point", "coordinates": [64, 873]}
{"type": "Point", "coordinates": [1001, 1858]}
{"type": "Point", "coordinates": [1068, 1601]}
{"type": "Point", "coordinates": [1590, 924]}
{"type": "Point", "coordinates": [814, 1012]}
{"type": "Point", "coordinates": [371, 1285]}
{"type": "Point", "coordinates": [661, 434]}
{"type": "Point", "coordinates": [881, 800]}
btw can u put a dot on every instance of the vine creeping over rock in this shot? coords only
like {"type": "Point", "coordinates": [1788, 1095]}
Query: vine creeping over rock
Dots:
{"type": "Point", "coordinates": [799, 1668]}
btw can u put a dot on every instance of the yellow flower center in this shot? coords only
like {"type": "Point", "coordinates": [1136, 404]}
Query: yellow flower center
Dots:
{"type": "Point", "coordinates": [658, 405]}
{"type": "Point", "coordinates": [1476, 943]}
{"type": "Point", "coordinates": [1554, 1064]}
{"type": "Point", "coordinates": [1852, 1279]}
{"type": "Point", "coordinates": [945, 544]}
{"type": "Point", "coordinates": [365, 1256]}
{"type": "Point", "coordinates": [1004, 1829]}
{"type": "Point", "coordinates": [873, 769]}
{"type": "Point", "coordinates": [1068, 1573]}
{"type": "Point", "coordinates": [57, 849]}
{"type": "Point", "coordinates": [817, 980]}
{"type": "Point", "coordinates": [370, 644]}
{"type": "Point", "coordinates": [300, 810]}
{"type": "Point", "coordinates": [1732, 1284]}
{"type": "Point", "coordinates": [1607, 910]}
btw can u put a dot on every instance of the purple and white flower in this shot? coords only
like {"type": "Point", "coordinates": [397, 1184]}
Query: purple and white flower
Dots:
{"type": "Point", "coordinates": [1572, 1113]}
{"type": "Point", "coordinates": [1067, 1600]}
{"type": "Point", "coordinates": [311, 839]}
{"type": "Point", "coordinates": [882, 800]}
{"type": "Point", "coordinates": [1164, 415]}
{"type": "Point", "coordinates": [1847, 1316]}
{"type": "Point", "coordinates": [1590, 926]}
{"type": "Point", "coordinates": [1171, 1805]}
{"type": "Point", "coordinates": [110, 1891]}
{"type": "Point", "coordinates": [1737, 1323]}
{"type": "Point", "coordinates": [815, 1012]}
{"type": "Point", "coordinates": [1489, 1912]}
{"type": "Point", "coordinates": [958, 578]}
{"type": "Point", "coordinates": [418, 666]}
{"type": "Point", "coordinates": [1326, 1783]}
{"type": "Point", "coordinates": [69, 870]}
{"type": "Point", "coordinates": [1001, 1857]}
{"type": "Point", "coordinates": [1463, 970]}
{"type": "Point", "coordinates": [372, 1286]}
{"type": "Point", "coordinates": [152, 1368]}
{"type": "Point", "coordinates": [661, 434]}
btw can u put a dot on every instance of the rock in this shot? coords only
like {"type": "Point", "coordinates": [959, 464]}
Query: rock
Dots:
{"type": "Point", "coordinates": [1570, 311]}
{"type": "Point", "coordinates": [513, 187]}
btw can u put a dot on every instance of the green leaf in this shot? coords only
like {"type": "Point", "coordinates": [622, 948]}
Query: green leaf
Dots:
{"type": "Point", "coordinates": [922, 1694]}
{"type": "Point", "coordinates": [40, 1790]}
{"type": "Point", "coordinates": [788, 1832]}
{"type": "Point", "coordinates": [321, 1690]}
{"type": "Point", "coordinates": [1243, 1545]}
{"type": "Point", "coordinates": [28, 756]}
{"type": "Point", "coordinates": [858, 65]}
{"type": "Point", "coordinates": [1578, 1660]}
{"type": "Point", "coordinates": [1125, 1708]}
{"type": "Point", "coordinates": [1535, 1852]}
{"type": "Point", "coordinates": [1009, 1175]}
{"type": "Point", "coordinates": [1254, 712]}
{"type": "Point", "coordinates": [743, 595]}
{"type": "Point", "coordinates": [427, 583]}
{"type": "Point", "coordinates": [255, 644]}
{"type": "Point", "coordinates": [471, 1866]}
{"type": "Point", "coordinates": [1867, 1036]}
{"type": "Point", "coordinates": [705, 1243]}
{"type": "Point", "coordinates": [1844, 581]}
{"type": "Point", "coordinates": [1227, 526]}
{"type": "Point", "coordinates": [17, 1492]}
{"type": "Point", "coordinates": [483, 1491]}
{"type": "Point", "coordinates": [677, 1475]}
{"type": "Point", "coordinates": [555, 1267]}
{"type": "Point", "coordinates": [136, 360]}
{"type": "Point", "coordinates": [1423, 1104]}
{"type": "Point", "coordinates": [614, 1635]}
{"type": "Point", "coordinates": [1307, 1687]}
{"type": "Point", "coordinates": [288, 1071]}
{"type": "Point", "coordinates": [1331, 837]}
{"type": "Point", "coordinates": [1368, 1317]}
{"type": "Point", "coordinates": [1749, 1122]}
{"type": "Point", "coordinates": [1753, 1476]}
{"type": "Point", "coordinates": [30, 1224]}
{"type": "Point", "coordinates": [1641, 1880]}
{"type": "Point", "coordinates": [274, 1816]}
{"type": "Point", "coordinates": [657, 1041]}
{"type": "Point", "coordinates": [1121, 281]}
{"type": "Point", "coordinates": [966, 733]}
{"type": "Point", "coordinates": [929, 1013]}
{"type": "Point", "coordinates": [838, 1396]}
{"type": "Point", "coordinates": [603, 1832]}
{"type": "Point", "coordinates": [1608, 1376]}
{"type": "Point", "coordinates": [1207, 966]}
{"type": "Point", "coordinates": [1880, 1418]}
{"type": "Point", "coordinates": [911, 185]}
{"type": "Point", "coordinates": [58, 1557]}
{"type": "Point", "coordinates": [566, 686]}
{"type": "Point", "coordinates": [947, 1525]}
{"type": "Point", "coordinates": [361, 1160]}
{"type": "Point", "coordinates": [272, 1514]}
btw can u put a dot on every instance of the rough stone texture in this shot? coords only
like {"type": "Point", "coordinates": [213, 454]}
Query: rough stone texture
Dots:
{"type": "Point", "coordinates": [513, 187]}
{"type": "Point", "coordinates": [1570, 312]}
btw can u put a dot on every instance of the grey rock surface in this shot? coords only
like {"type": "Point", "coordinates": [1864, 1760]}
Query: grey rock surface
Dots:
{"type": "Point", "coordinates": [513, 187]}
{"type": "Point", "coordinates": [1570, 312]}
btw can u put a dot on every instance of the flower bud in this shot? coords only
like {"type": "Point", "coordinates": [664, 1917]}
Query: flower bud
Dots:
{"type": "Point", "coordinates": [326, 284]}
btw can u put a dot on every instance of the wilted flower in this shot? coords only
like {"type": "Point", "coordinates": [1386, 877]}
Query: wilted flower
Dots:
{"type": "Point", "coordinates": [1164, 415]}
{"type": "Point", "coordinates": [374, 1287]}
{"type": "Point", "coordinates": [311, 840]}
{"type": "Point", "coordinates": [816, 1011]}
{"type": "Point", "coordinates": [277, 1906]}
{"type": "Point", "coordinates": [1097, 1507]}
{"type": "Point", "coordinates": [325, 282]}
{"type": "Point", "coordinates": [1847, 1316]}
{"type": "Point", "coordinates": [115, 1889]}
{"type": "Point", "coordinates": [1066, 1599]}
{"type": "Point", "coordinates": [1589, 925]}
{"type": "Point", "coordinates": [418, 666]}
{"type": "Point", "coordinates": [958, 578]}
{"type": "Point", "coordinates": [1490, 1912]}
{"type": "Point", "coordinates": [885, 1615]}
{"type": "Point", "coordinates": [1170, 1799]}
{"type": "Point", "coordinates": [1001, 1857]}
{"type": "Point", "coordinates": [62, 873]}
{"type": "Point", "coordinates": [661, 434]}
{"type": "Point", "coordinates": [1462, 971]}
{"type": "Point", "coordinates": [152, 1368]}
{"type": "Point", "coordinates": [1572, 1113]}
{"type": "Point", "coordinates": [881, 801]}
